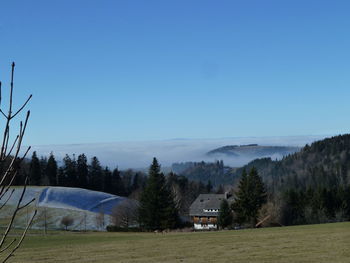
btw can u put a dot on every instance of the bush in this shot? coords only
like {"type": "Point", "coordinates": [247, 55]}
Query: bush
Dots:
{"type": "Point", "coordinates": [67, 221]}
{"type": "Point", "coordinates": [111, 228]}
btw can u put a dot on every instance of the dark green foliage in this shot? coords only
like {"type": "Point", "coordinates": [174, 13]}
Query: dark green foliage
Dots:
{"type": "Point", "coordinates": [112, 228]}
{"type": "Point", "coordinates": [44, 180]}
{"type": "Point", "coordinates": [346, 203]}
{"type": "Point", "coordinates": [35, 170]}
{"type": "Point", "coordinates": [293, 211]}
{"type": "Point", "coordinates": [250, 197]}
{"type": "Point", "coordinates": [184, 191]}
{"type": "Point", "coordinates": [51, 170]}
{"type": "Point", "coordinates": [214, 172]}
{"type": "Point", "coordinates": [70, 171]}
{"type": "Point", "coordinates": [107, 184]}
{"type": "Point", "coordinates": [157, 207]}
{"type": "Point", "coordinates": [225, 215]}
{"type": "Point", "coordinates": [209, 187]}
{"type": "Point", "coordinates": [323, 164]}
{"type": "Point", "coordinates": [61, 177]}
{"type": "Point", "coordinates": [95, 175]}
{"type": "Point", "coordinates": [118, 185]}
{"type": "Point", "coordinates": [82, 171]}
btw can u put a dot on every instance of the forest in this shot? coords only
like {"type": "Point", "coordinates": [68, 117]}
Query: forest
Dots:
{"type": "Point", "coordinates": [310, 186]}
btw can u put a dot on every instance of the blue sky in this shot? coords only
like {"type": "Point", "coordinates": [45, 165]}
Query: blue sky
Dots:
{"type": "Point", "coordinates": [105, 71]}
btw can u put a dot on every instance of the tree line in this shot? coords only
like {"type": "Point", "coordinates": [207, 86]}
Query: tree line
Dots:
{"type": "Point", "coordinates": [79, 172]}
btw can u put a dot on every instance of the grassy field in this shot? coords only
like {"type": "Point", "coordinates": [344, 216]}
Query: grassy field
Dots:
{"type": "Point", "coordinates": [312, 243]}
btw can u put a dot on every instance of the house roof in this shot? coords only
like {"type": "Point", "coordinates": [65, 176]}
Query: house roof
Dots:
{"type": "Point", "coordinates": [205, 202]}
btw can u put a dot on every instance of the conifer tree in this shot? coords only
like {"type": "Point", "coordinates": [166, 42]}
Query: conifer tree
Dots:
{"type": "Point", "coordinates": [70, 170]}
{"type": "Point", "coordinates": [157, 207]}
{"type": "Point", "coordinates": [61, 179]}
{"type": "Point", "coordinates": [249, 198]}
{"type": "Point", "coordinates": [82, 171]}
{"type": "Point", "coordinates": [95, 175]}
{"type": "Point", "coordinates": [51, 170]}
{"type": "Point", "coordinates": [44, 180]}
{"type": "Point", "coordinates": [225, 215]}
{"type": "Point", "coordinates": [35, 170]}
{"type": "Point", "coordinates": [118, 185]}
{"type": "Point", "coordinates": [107, 183]}
{"type": "Point", "coordinates": [209, 187]}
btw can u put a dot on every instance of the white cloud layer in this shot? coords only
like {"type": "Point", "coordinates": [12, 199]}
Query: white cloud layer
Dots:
{"type": "Point", "coordinates": [139, 154]}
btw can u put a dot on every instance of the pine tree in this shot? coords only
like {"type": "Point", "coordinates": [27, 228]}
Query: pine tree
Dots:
{"type": "Point", "coordinates": [107, 183]}
{"type": "Point", "coordinates": [61, 178]}
{"type": "Point", "coordinates": [209, 187]}
{"type": "Point", "coordinates": [249, 198]}
{"type": "Point", "coordinates": [225, 215]}
{"type": "Point", "coordinates": [259, 196]}
{"type": "Point", "coordinates": [95, 175]}
{"type": "Point", "coordinates": [82, 171]}
{"type": "Point", "coordinates": [157, 207]}
{"type": "Point", "coordinates": [70, 171]}
{"type": "Point", "coordinates": [44, 180]}
{"type": "Point", "coordinates": [118, 185]}
{"type": "Point", "coordinates": [35, 170]}
{"type": "Point", "coordinates": [242, 199]}
{"type": "Point", "coordinates": [51, 170]}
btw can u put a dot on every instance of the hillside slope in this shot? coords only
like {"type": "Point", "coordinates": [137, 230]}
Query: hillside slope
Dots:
{"type": "Point", "coordinates": [253, 151]}
{"type": "Point", "coordinates": [324, 163]}
{"type": "Point", "coordinates": [90, 210]}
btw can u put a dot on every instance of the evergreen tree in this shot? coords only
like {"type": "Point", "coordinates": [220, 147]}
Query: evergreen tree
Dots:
{"type": "Point", "coordinates": [242, 199]}
{"type": "Point", "coordinates": [95, 175]}
{"type": "Point", "coordinates": [209, 187]}
{"type": "Point", "coordinates": [82, 171]}
{"type": "Point", "coordinates": [346, 203]}
{"type": "Point", "coordinates": [70, 170]}
{"type": "Point", "coordinates": [44, 180]}
{"type": "Point", "coordinates": [293, 210]}
{"type": "Point", "coordinates": [157, 208]}
{"type": "Point", "coordinates": [107, 183]}
{"type": "Point", "coordinates": [135, 182]}
{"type": "Point", "coordinates": [61, 179]}
{"type": "Point", "coordinates": [250, 197]}
{"type": "Point", "coordinates": [35, 170]}
{"type": "Point", "coordinates": [118, 186]}
{"type": "Point", "coordinates": [225, 215]}
{"type": "Point", "coordinates": [51, 170]}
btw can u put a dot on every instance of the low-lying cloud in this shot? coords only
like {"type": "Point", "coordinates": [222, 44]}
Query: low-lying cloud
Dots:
{"type": "Point", "coordinates": [139, 154]}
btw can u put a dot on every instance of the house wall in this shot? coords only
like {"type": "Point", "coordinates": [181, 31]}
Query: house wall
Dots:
{"type": "Point", "coordinates": [204, 223]}
{"type": "Point", "coordinates": [204, 227]}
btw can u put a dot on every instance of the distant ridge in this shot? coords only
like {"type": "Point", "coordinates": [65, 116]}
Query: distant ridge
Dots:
{"type": "Point", "coordinates": [254, 150]}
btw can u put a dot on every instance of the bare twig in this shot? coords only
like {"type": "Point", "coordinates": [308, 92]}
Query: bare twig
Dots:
{"type": "Point", "coordinates": [24, 104]}
{"type": "Point", "coordinates": [23, 206]}
{"type": "Point", "coordinates": [8, 198]}
{"type": "Point", "coordinates": [8, 246]}
{"type": "Point", "coordinates": [10, 162]}
{"type": "Point", "coordinates": [22, 237]}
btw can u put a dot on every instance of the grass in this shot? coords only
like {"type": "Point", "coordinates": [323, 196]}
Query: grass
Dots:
{"type": "Point", "coordinates": [311, 243]}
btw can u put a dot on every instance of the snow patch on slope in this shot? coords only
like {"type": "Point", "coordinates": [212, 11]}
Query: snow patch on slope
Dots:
{"type": "Point", "coordinates": [78, 198]}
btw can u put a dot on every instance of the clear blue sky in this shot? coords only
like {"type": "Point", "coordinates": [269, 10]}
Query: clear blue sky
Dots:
{"type": "Point", "coordinates": [141, 70]}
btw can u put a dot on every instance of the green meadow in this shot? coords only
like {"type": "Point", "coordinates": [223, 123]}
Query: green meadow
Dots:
{"type": "Point", "coordinates": [310, 243]}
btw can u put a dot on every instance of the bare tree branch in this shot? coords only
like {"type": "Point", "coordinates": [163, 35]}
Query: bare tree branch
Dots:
{"type": "Point", "coordinates": [24, 104]}
{"type": "Point", "coordinates": [8, 246]}
{"type": "Point", "coordinates": [22, 238]}
{"type": "Point", "coordinates": [10, 162]}
{"type": "Point", "coordinates": [13, 190]}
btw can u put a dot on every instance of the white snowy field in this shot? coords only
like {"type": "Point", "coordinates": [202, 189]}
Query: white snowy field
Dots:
{"type": "Point", "coordinates": [89, 210]}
